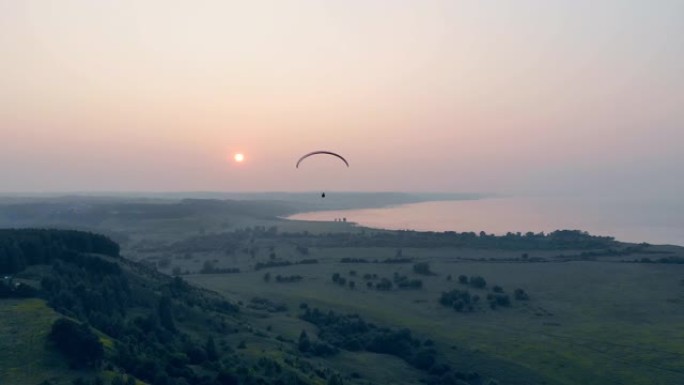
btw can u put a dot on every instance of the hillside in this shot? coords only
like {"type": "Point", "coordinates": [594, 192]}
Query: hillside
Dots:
{"type": "Point", "coordinates": [159, 329]}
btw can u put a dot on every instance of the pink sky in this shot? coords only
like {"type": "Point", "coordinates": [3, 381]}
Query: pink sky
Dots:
{"type": "Point", "coordinates": [496, 96]}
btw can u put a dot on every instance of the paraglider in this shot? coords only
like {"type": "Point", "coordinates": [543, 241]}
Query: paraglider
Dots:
{"type": "Point", "coordinates": [322, 153]}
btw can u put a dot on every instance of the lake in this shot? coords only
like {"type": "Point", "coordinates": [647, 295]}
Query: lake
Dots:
{"type": "Point", "coordinates": [657, 222]}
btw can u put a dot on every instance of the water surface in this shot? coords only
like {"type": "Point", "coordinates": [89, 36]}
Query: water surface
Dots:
{"type": "Point", "coordinates": [654, 221]}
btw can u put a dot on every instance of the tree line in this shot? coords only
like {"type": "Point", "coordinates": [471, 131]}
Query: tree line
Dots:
{"type": "Point", "coordinates": [25, 247]}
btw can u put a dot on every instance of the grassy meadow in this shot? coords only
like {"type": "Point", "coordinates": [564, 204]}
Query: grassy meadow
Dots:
{"type": "Point", "coordinates": [25, 355]}
{"type": "Point", "coordinates": [587, 322]}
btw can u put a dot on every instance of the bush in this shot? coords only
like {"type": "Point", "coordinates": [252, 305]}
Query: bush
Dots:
{"type": "Point", "coordinates": [422, 268]}
{"type": "Point", "coordinates": [477, 282]}
{"type": "Point", "coordinates": [77, 342]}
{"type": "Point", "coordinates": [520, 295]}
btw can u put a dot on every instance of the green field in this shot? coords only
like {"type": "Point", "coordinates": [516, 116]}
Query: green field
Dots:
{"type": "Point", "coordinates": [586, 323]}
{"type": "Point", "coordinates": [25, 356]}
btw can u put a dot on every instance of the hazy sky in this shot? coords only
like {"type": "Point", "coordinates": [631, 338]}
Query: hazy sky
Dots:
{"type": "Point", "coordinates": [497, 96]}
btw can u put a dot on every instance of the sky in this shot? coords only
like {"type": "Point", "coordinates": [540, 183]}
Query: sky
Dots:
{"type": "Point", "coordinates": [450, 96]}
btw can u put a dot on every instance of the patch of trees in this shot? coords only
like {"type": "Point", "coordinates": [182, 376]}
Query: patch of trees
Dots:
{"type": "Point", "coordinates": [527, 259]}
{"type": "Point", "coordinates": [288, 279]}
{"type": "Point", "coordinates": [386, 260]}
{"type": "Point", "coordinates": [384, 285]}
{"type": "Point", "coordinates": [667, 260]}
{"type": "Point", "coordinates": [209, 267]}
{"type": "Point", "coordinates": [459, 300]}
{"type": "Point", "coordinates": [315, 348]}
{"type": "Point", "coordinates": [117, 379]}
{"type": "Point", "coordinates": [498, 299]}
{"type": "Point", "coordinates": [11, 289]}
{"type": "Point", "coordinates": [556, 240]}
{"type": "Point", "coordinates": [397, 260]}
{"type": "Point", "coordinates": [249, 239]}
{"type": "Point", "coordinates": [399, 281]}
{"type": "Point", "coordinates": [609, 252]}
{"type": "Point", "coordinates": [228, 242]}
{"type": "Point", "coordinates": [342, 281]}
{"type": "Point", "coordinates": [271, 264]}
{"type": "Point", "coordinates": [477, 282]}
{"type": "Point", "coordinates": [463, 301]}
{"type": "Point", "coordinates": [422, 268]}
{"type": "Point", "coordinates": [261, 303]}
{"type": "Point", "coordinates": [404, 282]}
{"type": "Point", "coordinates": [89, 288]}
{"type": "Point", "coordinates": [520, 295]}
{"type": "Point", "coordinates": [81, 346]}
{"type": "Point", "coordinates": [353, 260]}
{"type": "Point", "coordinates": [26, 247]}
{"type": "Point", "coordinates": [352, 333]}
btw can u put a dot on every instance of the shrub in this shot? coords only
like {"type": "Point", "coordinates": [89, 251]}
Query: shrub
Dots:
{"type": "Point", "coordinates": [477, 282]}
{"type": "Point", "coordinates": [77, 342]}
{"type": "Point", "coordinates": [520, 295]}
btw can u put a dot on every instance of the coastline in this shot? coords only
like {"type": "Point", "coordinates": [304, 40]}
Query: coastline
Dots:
{"type": "Point", "coordinates": [627, 223]}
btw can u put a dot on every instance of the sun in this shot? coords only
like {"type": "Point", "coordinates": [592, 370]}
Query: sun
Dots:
{"type": "Point", "coordinates": [239, 157]}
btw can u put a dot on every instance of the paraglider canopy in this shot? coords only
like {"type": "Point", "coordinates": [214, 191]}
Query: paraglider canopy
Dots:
{"type": "Point", "coordinates": [322, 153]}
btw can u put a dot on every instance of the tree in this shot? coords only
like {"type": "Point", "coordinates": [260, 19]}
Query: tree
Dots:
{"type": "Point", "coordinates": [165, 314]}
{"type": "Point", "coordinates": [335, 379]}
{"type": "Point", "coordinates": [304, 343]}
{"type": "Point", "coordinates": [477, 282]}
{"type": "Point", "coordinates": [210, 348]}
{"type": "Point", "coordinates": [520, 295]}
{"type": "Point", "coordinates": [227, 378]}
{"type": "Point", "coordinates": [422, 268]}
{"type": "Point", "coordinates": [77, 342]}
{"type": "Point", "coordinates": [207, 267]}
{"type": "Point", "coordinates": [463, 279]}
{"type": "Point", "coordinates": [267, 277]}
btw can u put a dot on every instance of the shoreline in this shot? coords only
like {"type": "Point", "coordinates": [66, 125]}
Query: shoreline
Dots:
{"type": "Point", "coordinates": [500, 216]}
